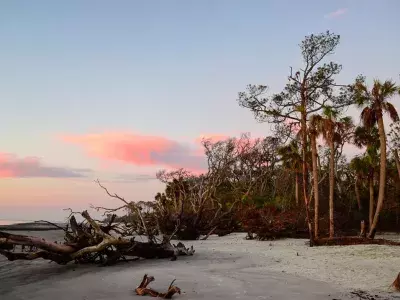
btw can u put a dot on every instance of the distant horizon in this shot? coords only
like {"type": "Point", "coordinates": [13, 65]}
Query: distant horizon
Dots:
{"type": "Point", "coordinates": [4, 221]}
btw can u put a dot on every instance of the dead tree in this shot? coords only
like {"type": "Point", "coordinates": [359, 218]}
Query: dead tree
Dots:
{"type": "Point", "coordinates": [206, 203]}
{"type": "Point", "coordinates": [88, 242]}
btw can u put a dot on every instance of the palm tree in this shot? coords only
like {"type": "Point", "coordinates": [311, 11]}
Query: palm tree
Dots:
{"type": "Point", "coordinates": [330, 127]}
{"type": "Point", "coordinates": [373, 104]}
{"type": "Point", "coordinates": [292, 160]}
{"type": "Point", "coordinates": [369, 137]}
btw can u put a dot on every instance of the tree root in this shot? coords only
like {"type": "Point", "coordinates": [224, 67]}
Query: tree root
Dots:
{"type": "Point", "coordinates": [143, 290]}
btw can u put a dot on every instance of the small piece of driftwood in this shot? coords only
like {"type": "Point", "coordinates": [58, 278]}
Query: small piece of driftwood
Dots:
{"type": "Point", "coordinates": [143, 290]}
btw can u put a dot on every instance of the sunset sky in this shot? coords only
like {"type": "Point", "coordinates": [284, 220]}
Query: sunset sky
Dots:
{"type": "Point", "coordinates": [117, 90]}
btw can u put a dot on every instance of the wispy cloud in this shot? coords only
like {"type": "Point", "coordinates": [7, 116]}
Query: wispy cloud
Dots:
{"type": "Point", "coordinates": [337, 13]}
{"type": "Point", "coordinates": [12, 166]}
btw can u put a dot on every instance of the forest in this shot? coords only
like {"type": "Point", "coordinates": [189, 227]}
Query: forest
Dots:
{"type": "Point", "coordinates": [298, 182]}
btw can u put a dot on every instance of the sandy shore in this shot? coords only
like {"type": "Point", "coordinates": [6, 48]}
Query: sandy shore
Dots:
{"type": "Point", "coordinates": [222, 268]}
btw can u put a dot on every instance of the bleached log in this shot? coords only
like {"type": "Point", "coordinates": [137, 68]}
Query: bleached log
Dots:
{"type": "Point", "coordinates": [14, 239]}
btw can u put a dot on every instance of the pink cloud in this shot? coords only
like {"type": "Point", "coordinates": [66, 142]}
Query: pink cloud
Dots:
{"type": "Point", "coordinates": [142, 150]}
{"type": "Point", "coordinates": [336, 14]}
{"type": "Point", "coordinates": [11, 166]}
{"type": "Point", "coordinates": [139, 150]}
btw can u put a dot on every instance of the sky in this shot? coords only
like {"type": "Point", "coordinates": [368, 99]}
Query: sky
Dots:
{"type": "Point", "coordinates": [117, 90]}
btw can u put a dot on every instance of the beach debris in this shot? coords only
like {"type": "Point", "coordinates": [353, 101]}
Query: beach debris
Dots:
{"type": "Point", "coordinates": [88, 242]}
{"type": "Point", "coordinates": [396, 283]}
{"type": "Point", "coordinates": [363, 295]}
{"type": "Point", "coordinates": [144, 290]}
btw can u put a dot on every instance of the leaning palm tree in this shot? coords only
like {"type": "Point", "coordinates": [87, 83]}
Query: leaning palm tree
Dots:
{"type": "Point", "coordinates": [373, 103]}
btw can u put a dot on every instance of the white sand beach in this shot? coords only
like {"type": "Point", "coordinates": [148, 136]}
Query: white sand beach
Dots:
{"type": "Point", "coordinates": [222, 268]}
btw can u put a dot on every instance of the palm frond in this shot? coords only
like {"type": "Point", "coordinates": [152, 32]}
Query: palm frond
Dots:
{"type": "Point", "coordinates": [391, 110]}
{"type": "Point", "coordinates": [359, 136]}
{"type": "Point", "coordinates": [369, 117]}
{"type": "Point", "coordinates": [376, 89]}
{"type": "Point", "coordinates": [366, 136]}
{"type": "Point", "coordinates": [361, 94]}
{"type": "Point", "coordinates": [360, 165]}
{"type": "Point", "coordinates": [389, 89]}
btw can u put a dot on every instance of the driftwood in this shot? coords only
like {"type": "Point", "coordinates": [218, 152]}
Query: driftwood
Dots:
{"type": "Point", "coordinates": [143, 290]}
{"type": "Point", "coordinates": [396, 283]}
{"type": "Point", "coordinates": [87, 242]}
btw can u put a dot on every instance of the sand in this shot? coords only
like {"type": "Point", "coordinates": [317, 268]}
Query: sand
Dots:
{"type": "Point", "coordinates": [222, 268]}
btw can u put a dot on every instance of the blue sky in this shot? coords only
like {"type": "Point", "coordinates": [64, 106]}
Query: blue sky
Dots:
{"type": "Point", "coordinates": [156, 68]}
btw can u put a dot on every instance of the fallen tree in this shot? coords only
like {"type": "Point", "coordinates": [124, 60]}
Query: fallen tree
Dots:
{"type": "Point", "coordinates": [89, 242]}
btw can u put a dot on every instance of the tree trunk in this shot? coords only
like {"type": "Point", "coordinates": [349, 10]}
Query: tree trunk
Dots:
{"type": "Point", "coordinates": [382, 176]}
{"type": "Point", "coordinates": [297, 191]}
{"type": "Point", "coordinates": [331, 188]}
{"type": "Point", "coordinates": [397, 160]}
{"type": "Point", "coordinates": [315, 185]}
{"type": "Point", "coordinates": [357, 191]}
{"type": "Point", "coordinates": [360, 208]}
{"type": "Point", "coordinates": [371, 198]}
{"type": "Point", "coordinates": [305, 170]}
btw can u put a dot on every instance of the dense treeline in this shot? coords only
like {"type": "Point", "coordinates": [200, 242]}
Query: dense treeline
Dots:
{"type": "Point", "coordinates": [298, 181]}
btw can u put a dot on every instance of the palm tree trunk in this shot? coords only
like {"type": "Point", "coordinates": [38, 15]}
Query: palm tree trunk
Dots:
{"type": "Point", "coordinates": [382, 176]}
{"type": "Point", "coordinates": [331, 188]}
{"type": "Point", "coordinates": [397, 160]}
{"type": "Point", "coordinates": [296, 188]}
{"type": "Point", "coordinates": [371, 198]}
{"type": "Point", "coordinates": [314, 154]}
{"type": "Point", "coordinates": [360, 210]}
{"type": "Point", "coordinates": [357, 191]}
